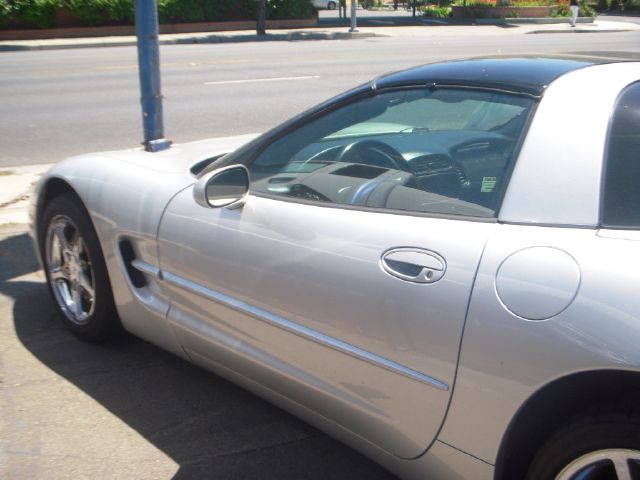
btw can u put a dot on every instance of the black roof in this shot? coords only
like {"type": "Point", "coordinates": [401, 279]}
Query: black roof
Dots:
{"type": "Point", "coordinates": [529, 75]}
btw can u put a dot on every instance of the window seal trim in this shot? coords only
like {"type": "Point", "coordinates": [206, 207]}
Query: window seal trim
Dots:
{"type": "Point", "coordinates": [372, 92]}
{"type": "Point", "coordinates": [415, 86]}
{"type": "Point", "coordinates": [604, 170]}
{"type": "Point", "coordinates": [482, 88]}
{"type": "Point", "coordinates": [362, 208]}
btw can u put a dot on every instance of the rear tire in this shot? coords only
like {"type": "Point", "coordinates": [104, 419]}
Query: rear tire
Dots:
{"type": "Point", "coordinates": [603, 445]}
{"type": "Point", "coordinates": [76, 271]}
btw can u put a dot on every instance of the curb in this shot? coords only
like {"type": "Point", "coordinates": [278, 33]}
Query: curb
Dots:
{"type": "Point", "coordinates": [271, 37]}
{"type": "Point", "coordinates": [16, 185]}
{"type": "Point", "coordinates": [580, 30]}
{"type": "Point", "coordinates": [67, 44]}
{"type": "Point", "coordinates": [527, 21]}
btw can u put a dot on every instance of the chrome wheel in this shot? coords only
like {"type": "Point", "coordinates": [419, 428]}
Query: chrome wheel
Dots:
{"type": "Point", "coordinates": [68, 263]}
{"type": "Point", "coordinates": [610, 464]}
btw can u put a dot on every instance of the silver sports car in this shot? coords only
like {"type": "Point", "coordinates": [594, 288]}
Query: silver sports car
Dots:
{"type": "Point", "coordinates": [441, 268]}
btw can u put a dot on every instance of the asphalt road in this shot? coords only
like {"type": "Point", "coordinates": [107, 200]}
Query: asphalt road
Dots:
{"type": "Point", "coordinates": [67, 102]}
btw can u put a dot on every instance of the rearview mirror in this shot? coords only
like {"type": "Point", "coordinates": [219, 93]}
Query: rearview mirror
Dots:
{"type": "Point", "coordinates": [224, 187]}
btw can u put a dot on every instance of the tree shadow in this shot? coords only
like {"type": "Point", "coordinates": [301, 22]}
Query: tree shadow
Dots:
{"type": "Point", "coordinates": [206, 425]}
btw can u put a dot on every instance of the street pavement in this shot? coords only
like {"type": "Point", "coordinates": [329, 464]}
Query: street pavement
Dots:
{"type": "Point", "coordinates": [61, 103]}
{"type": "Point", "coordinates": [372, 24]}
{"type": "Point", "coordinates": [16, 184]}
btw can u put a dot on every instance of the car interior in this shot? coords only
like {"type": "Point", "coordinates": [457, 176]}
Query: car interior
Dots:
{"type": "Point", "coordinates": [441, 151]}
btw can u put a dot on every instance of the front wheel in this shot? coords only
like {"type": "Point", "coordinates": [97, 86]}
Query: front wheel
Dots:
{"type": "Point", "coordinates": [596, 447]}
{"type": "Point", "coordinates": [76, 271]}
{"type": "Point", "coordinates": [331, 5]}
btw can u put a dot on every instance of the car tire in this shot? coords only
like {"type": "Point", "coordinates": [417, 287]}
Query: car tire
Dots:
{"type": "Point", "coordinates": [591, 447]}
{"type": "Point", "coordinates": [76, 271]}
{"type": "Point", "coordinates": [331, 5]}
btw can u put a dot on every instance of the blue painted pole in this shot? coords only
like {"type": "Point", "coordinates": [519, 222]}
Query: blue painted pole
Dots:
{"type": "Point", "coordinates": [149, 69]}
{"type": "Point", "coordinates": [354, 21]}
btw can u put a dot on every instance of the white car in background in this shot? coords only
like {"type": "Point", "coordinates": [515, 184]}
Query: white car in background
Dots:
{"type": "Point", "coordinates": [325, 4]}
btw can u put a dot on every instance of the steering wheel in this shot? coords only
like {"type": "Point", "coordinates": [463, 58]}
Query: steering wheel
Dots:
{"type": "Point", "coordinates": [374, 153]}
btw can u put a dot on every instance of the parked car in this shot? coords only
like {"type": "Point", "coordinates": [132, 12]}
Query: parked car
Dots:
{"type": "Point", "coordinates": [440, 268]}
{"type": "Point", "coordinates": [325, 4]}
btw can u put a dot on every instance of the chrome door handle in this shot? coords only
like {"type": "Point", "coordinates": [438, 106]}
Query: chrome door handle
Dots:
{"type": "Point", "coordinates": [416, 265]}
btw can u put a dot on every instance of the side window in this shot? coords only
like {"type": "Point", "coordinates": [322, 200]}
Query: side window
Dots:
{"type": "Point", "coordinates": [444, 151]}
{"type": "Point", "coordinates": [621, 205]}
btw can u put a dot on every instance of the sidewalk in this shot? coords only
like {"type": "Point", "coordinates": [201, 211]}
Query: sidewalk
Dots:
{"type": "Point", "coordinates": [423, 27]}
{"type": "Point", "coordinates": [16, 184]}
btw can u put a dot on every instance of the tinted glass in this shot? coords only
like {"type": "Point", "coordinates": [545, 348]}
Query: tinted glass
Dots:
{"type": "Point", "coordinates": [444, 151]}
{"type": "Point", "coordinates": [621, 206]}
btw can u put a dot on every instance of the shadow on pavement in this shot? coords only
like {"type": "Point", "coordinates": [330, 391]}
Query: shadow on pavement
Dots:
{"type": "Point", "coordinates": [209, 427]}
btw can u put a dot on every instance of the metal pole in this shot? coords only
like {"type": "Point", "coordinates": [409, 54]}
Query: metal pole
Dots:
{"type": "Point", "coordinates": [354, 21]}
{"type": "Point", "coordinates": [149, 70]}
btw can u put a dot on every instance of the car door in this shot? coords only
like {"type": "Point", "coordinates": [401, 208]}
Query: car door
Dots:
{"type": "Point", "coordinates": [342, 283]}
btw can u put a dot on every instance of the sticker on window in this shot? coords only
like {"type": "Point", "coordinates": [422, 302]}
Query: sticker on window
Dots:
{"type": "Point", "coordinates": [488, 184]}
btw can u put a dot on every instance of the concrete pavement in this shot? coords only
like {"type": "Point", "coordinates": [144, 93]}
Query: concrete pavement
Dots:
{"type": "Point", "coordinates": [425, 28]}
{"type": "Point", "coordinates": [16, 184]}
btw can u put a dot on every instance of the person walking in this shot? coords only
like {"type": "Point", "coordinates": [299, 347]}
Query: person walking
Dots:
{"type": "Point", "coordinates": [573, 4]}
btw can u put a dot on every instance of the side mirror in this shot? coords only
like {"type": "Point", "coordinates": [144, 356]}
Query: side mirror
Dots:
{"type": "Point", "coordinates": [224, 187]}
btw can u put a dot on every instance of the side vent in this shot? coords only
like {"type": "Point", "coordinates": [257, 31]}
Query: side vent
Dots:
{"type": "Point", "coordinates": [129, 257]}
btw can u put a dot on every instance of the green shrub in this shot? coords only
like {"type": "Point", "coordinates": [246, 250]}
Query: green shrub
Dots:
{"type": "Point", "coordinates": [514, 3]}
{"type": "Point", "coordinates": [533, 3]}
{"type": "Point", "coordinates": [5, 9]}
{"type": "Point", "coordinates": [285, 9]}
{"type": "Point", "coordinates": [561, 10]}
{"type": "Point", "coordinates": [100, 12]}
{"type": "Point", "coordinates": [172, 11]}
{"type": "Point", "coordinates": [42, 13]}
{"type": "Point", "coordinates": [436, 12]}
{"type": "Point", "coordinates": [586, 10]}
{"type": "Point", "coordinates": [175, 11]}
{"type": "Point", "coordinates": [371, 4]}
{"type": "Point", "coordinates": [481, 3]}
{"type": "Point", "coordinates": [28, 13]}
